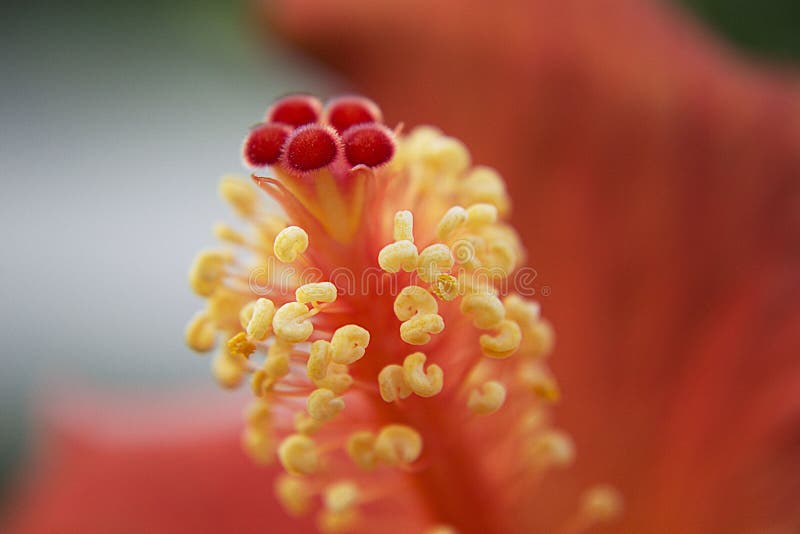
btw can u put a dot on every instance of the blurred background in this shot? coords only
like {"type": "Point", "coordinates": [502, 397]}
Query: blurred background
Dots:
{"type": "Point", "coordinates": [118, 119]}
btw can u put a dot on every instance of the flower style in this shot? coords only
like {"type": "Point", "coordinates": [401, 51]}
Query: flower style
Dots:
{"type": "Point", "coordinates": [398, 373]}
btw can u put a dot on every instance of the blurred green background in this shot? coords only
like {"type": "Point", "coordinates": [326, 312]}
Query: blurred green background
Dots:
{"type": "Point", "coordinates": [115, 109]}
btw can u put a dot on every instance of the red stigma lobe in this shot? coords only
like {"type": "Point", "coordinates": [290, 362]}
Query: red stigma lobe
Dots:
{"type": "Point", "coordinates": [344, 112]}
{"type": "Point", "coordinates": [295, 110]}
{"type": "Point", "coordinates": [368, 144]}
{"type": "Point", "coordinates": [264, 144]}
{"type": "Point", "coordinates": [311, 147]}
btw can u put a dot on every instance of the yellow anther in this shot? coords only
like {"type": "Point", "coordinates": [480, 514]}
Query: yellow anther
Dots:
{"type": "Point", "coordinates": [246, 313]}
{"type": "Point", "coordinates": [524, 312]}
{"type": "Point", "coordinates": [481, 214]}
{"type": "Point", "coordinates": [260, 323]}
{"type": "Point", "coordinates": [417, 330]}
{"type": "Point", "coordinates": [258, 444]}
{"type": "Point", "coordinates": [446, 155]}
{"type": "Point", "coordinates": [239, 345]}
{"type": "Point", "coordinates": [445, 287]}
{"type": "Point", "coordinates": [539, 339]}
{"type": "Point", "coordinates": [294, 494]}
{"type": "Point", "coordinates": [298, 455]}
{"type": "Point", "coordinates": [277, 362]}
{"type": "Point", "coordinates": [316, 292]}
{"type": "Point", "coordinates": [433, 261]}
{"type": "Point", "coordinates": [412, 300]}
{"type": "Point", "coordinates": [537, 334]}
{"type": "Point", "coordinates": [486, 310]}
{"type": "Point", "coordinates": [488, 399]}
{"type": "Point", "coordinates": [261, 382]}
{"type": "Point", "coordinates": [207, 271]}
{"type": "Point", "coordinates": [534, 420]}
{"type": "Point", "coordinates": [289, 243]}
{"type": "Point", "coordinates": [240, 195]}
{"type": "Point", "coordinates": [398, 444]}
{"type": "Point", "coordinates": [504, 343]}
{"type": "Point", "coordinates": [361, 449]}
{"type": "Point", "coordinates": [258, 414]}
{"type": "Point", "coordinates": [404, 226]}
{"type": "Point", "coordinates": [324, 405]}
{"type": "Point", "coordinates": [501, 255]}
{"type": "Point", "coordinates": [423, 383]}
{"type": "Point", "coordinates": [318, 360]}
{"type": "Point", "coordinates": [552, 448]}
{"type": "Point", "coordinates": [392, 383]}
{"type": "Point", "coordinates": [484, 184]}
{"type": "Point", "coordinates": [398, 255]}
{"type": "Point", "coordinates": [305, 424]}
{"type": "Point", "coordinates": [451, 221]}
{"type": "Point", "coordinates": [223, 308]}
{"type": "Point", "coordinates": [201, 334]}
{"type": "Point", "coordinates": [223, 232]}
{"type": "Point", "coordinates": [340, 496]}
{"type": "Point", "coordinates": [601, 503]}
{"type": "Point", "coordinates": [540, 380]}
{"type": "Point", "coordinates": [348, 344]}
{"type": "Point", "coordinates": [227, 371]}
{"type": "Point", "coordinates": [291, 323]}
{"type": "Point", "coordinates": [441, 529]}
{"type": "Point", "coordinates": [337, 522]}
{"type": "Point", "coordinates": [337, 379]}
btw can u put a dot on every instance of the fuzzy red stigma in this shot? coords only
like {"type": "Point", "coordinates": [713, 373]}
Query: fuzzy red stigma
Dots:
{"type": "Point", "coordinates": [311, 147]}
{"type": "Point", "coordinates": [264, 144]}
{"type": "Point", "coordinates": [347, 111]}
{"type": "Point", "coordinates": [368, 144]}
{"type": "Point", "coordinates": [295, 110]}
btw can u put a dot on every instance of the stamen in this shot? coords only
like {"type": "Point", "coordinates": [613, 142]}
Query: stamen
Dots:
{"type": "Point", "coordinates": [552, 448]}
{"type": "Point", "coordinates": [372, 145]}
{"type": "Point", "coordinates": [423, 383]}
{"type": "Point", "coordinates": [451, 221]}
{"type": "Point", "coordinates": [413, 300]}
{"type": "Point", "coordinates": [445, 287]}
{"type": "Point", "coordinates": [290, 242]}
{"type": "Point", "coordinates": [223, 232]}
{"type": "Point", "coordinates": [242, 197]}
{"type": "Point", "coordinates": [201, 333]}
{"type": "Point", "coordinates": [260, 324]}
{"type": "Point", "coordinates": [433, 261]}
{"type": "Point", "coordinates": [207, 271]}
{"type": "Point", "coordinates": [481, 214]}
{"type": "Point", "coordinates": [311, 147]}
{"type": "Point", "coordinates": [298, 455]}
{"type": "Point", "coordinates": [264, 144]}
{"type": "Point", "coordinates": [361, 449]}
{"type": "Point", "coordinates": [486, 310]}
{"type": "Point", "coordinates": [324, 405]}
{"type": "Point", "coordinates": [295, 110]}
{"type": "Point", "coordinates": [504, 343]}
{"type": "Point", "coordinates": [484, 184]}
{"type": "Point", "coordinates": [398, 255]}
{"type": "Point", "coordinates": [488, 399]}
{"type": "Point", "coordinates": [239, 345]}
{"type": "Point", "coordinates": [340, 496]}
{"type": "Point", "coordinates": [318, 360]}
{"type": "Point", "coordinates": [348, 344]}
{"type": "Point", "coordinates": [294, 494]}
{"type": "Point", "coordinates": [601, 503]}
{"type": "Point", "coordinates": [347, 111]}
{"type": "Point", "coordinates": [291, 323]}
{"type": "Point", "coordinates": [316, 292]}
{"type": "Point", "coordinates": [417, 330]}
{"type": "Point", "coordinates": [305, 424]}
{"type": "Point", "coordinates": [392, 383]}
{"type": "Point", "coordinates": [398, 445]}
{"type": "Point", "coordinates": [404, 226]}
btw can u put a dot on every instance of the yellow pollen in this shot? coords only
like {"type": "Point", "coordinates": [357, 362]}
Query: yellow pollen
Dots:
{"type": "Point", "coordinates": [552, 448]}
{"type": "Point", "coordinates": [445, 287]}
{"type": "Point", "coordinates": [486, 310]}
{"type": "Point", "coordinates": [413, 300]}
{"type": "Point", "coordinates": [417, 330]}
{"type": "Point", "coordinates": [451, 221]}
{"type": "Point", "coordinates": [260, 323]}
{"type": "Point", "coordinates": [481, 214]}
{"type": "Point", "coordinates": [601, 503]}
{"type": "Point", "coordinates": [324, 405]}
{"type": "Point", "coordinates": [298, 455]}
{"type": "Point", "coordinates": [504, 343]}
{"type": "Point", "coordinates": [433, 261]}
{"type": "Point", "coordinates": [488, 399]}
{"type": "Point", "coordinates": [340, 496]}
{"type": "Point", "coordinates": [317, 292]}
{"type": "Point", "coordinates": [258, 414]}
{"type": "Point", "coordinates": [361, 449]}
{"type": "Point", "coordinates": [305, 424]}
{"type": "Point", "coordinates": [348, 344]}
{"type": "Point", "coordinates": [540, 380]}
{"type": "Point", "coordinates": [398, 445]}
{"type": "Point", "coordinates": [404, 226]}
{"type": "Point", "coordinates": [423, 383]}
{"type": "Point", "coordinates": [239, 345]}
{"type": "Point", "coordinates": [201, 333]}
{"type": "Point", "coordinates": [318, 360]}
{"type": "Point", "coordinates": [207, 272]}
{"type": "Point", "coordinates": [392, 383]}
{"type": "Point", "coordinates": [223, 232]}
{"type": "Point", "coordinates": [242, 197]}
{"type": "Point", "coordinates": [258, 444]}
{"type": "Point", "coordinates": [291, 323]}
{"type": "Point", "coordinates": [398, 255]}
{"type": "Point", "coordinates": [277, 361]}
{"type": "Point", "coordinates": [484, 184]}
{"type": "Point", "coordinates": [294, 494]}
{"type": "Point", "coordinates": [227, 370]}
{"type": "Point", "coordinates": [337, 378]}
{"type": "Point", "coordinates": [289, 243]}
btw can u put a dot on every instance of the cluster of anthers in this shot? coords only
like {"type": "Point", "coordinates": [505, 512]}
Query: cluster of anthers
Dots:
{"type": "Point", "coordinates": [393, 367]}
